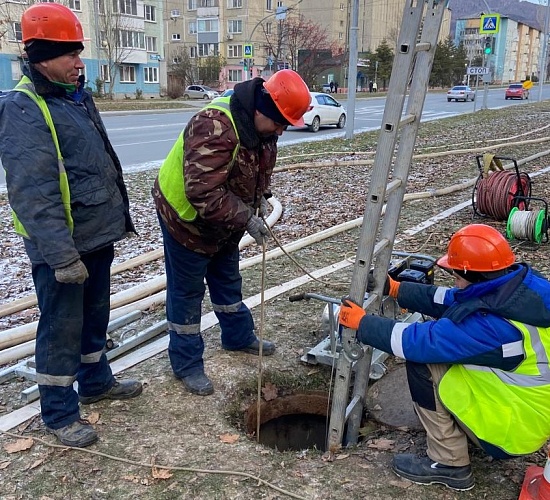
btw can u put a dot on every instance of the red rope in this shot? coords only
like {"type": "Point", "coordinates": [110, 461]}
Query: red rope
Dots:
{"type": "Point", "coordinates": [495, 194]}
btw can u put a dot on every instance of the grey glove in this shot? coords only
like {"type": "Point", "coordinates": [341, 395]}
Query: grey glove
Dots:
{"type": "Point", "coordinates": [264, 207]}
{"type": "Point", "coordinates": [73, 273]}
{"type": "Point", "coordinates": [256, 228]}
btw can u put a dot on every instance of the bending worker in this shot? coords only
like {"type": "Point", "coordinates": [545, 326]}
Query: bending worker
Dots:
{"type": "Point", "coordinates": [207, 194]}
{"type": "Point", "coordinates": [480, 370]}
{"type": "Point", "coordinates": [66, 190]}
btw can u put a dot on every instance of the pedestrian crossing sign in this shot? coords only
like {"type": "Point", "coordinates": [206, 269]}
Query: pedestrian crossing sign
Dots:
{"type": "Point", "coordinates": [490, 24]}
{"type": "Point", "coordinates": [248, 50]}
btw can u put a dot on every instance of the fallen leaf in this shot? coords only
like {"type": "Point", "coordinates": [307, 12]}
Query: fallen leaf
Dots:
{"type": "Point", "coordinates": [5, 464]}
{"type": "Point", "coordinates": [93, 417]}
{"type": "Point", "coordinates": [37, 463]}
{"type": "Point", "coordinates": [270, 392]}
{"type": "Point", "coordinates": [312, 372]}
{"type": "Point", "coordinates": [328, 456]}
{"type": "Point", "coordinates": [19, 445]}
{"type": "Point", "coordinates": [161, 473]}
{"type": "Point", "coordinates": [341, 456]}
{"type": "Point", "coordinates": [133, 479]}
{"type": "Point", "coordinates": [229, 438]}
{"type": "Point", "coordinates": [381, 444]}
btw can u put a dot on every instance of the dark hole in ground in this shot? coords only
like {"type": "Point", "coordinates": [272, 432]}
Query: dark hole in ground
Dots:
{"type": "Point", "coordinates": [294, 422]}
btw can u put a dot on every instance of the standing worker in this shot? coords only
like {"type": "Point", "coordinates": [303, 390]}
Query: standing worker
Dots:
{"type": "Point", "coordinates": [207, 194]}
{"type": "Point", "coordinates": [479, 371]}
{"type": "Point", "coordinates": [70, 204]}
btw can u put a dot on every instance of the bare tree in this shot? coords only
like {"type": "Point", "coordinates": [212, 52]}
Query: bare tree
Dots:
{"type": "Point", "coordinates": [116, 36]}
{"type": "Point", "coordinates": [181, 72]}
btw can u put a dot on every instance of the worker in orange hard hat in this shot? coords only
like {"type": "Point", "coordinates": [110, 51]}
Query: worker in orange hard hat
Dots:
{"type": "Point", "coordinates": [70, 205]}
{"type": "Point", "coordinates": [212, 187]}
{"type": "Point", "coordinates": [480, 370]}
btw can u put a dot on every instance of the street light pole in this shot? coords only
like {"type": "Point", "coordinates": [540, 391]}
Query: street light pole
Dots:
{"type": "Point", "coordinates": [543, 50]}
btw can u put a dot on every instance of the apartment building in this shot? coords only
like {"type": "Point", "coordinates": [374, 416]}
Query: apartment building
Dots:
{"type": "Point", "coordinates": [515, 49]}
{"type": "Point", "coordinates": [121, 53]}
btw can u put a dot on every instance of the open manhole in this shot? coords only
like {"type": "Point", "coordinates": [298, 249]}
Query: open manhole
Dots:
{"type": "Point", "coordinates": [293, 422]}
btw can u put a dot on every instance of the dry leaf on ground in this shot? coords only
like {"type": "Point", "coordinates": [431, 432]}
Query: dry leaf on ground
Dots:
{"type": "Point", "coordinates": [19, 445]}
{"type": "Point", "coordinates": [270, 392]}
{"type": "Point", "coordinates": [229, 438]}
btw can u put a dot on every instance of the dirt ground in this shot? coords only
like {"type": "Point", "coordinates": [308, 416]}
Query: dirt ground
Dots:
{"type": "Point", "coordinates": [168, 444]}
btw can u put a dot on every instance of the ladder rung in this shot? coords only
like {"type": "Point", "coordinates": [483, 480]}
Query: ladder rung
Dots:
{"type": "Point", "coordinates": [407, 119]}
{"type": "Point", "coordinates": [353, 403]}
{"type": "Point", "coordinates": [424, 46]}
{"type": "Point", "coordinates": [393, 185]}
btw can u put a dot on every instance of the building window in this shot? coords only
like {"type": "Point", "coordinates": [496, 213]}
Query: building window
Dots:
{"type": "Point", "coordinates": [150, 13]}
{"type": "Point", "coordinates": [75, 5]}
{"type": "Point", "coordinates": [192, 27]}
{"type": "Point", "coordinates": [268, 28]}
{"type": "Point", "coordinates": [235, 51]}
{"type": "Point", "coordinates": [269, 5]}
{"type": "Point", "coordinates": [235, 75]}
{"type": "Point", "coordinates": [105, 73]}
{"type": "Point", "coordinates": [192, 5]}
{"type": "Point", "coordinates": [235, 26]}
{"type": "Point", "coordinates": [132, 39]}
{"type": "Point", "coordinates": [150, 75]}
{"type": "Point", "coordinates": [151, 44]}
{"type": "Point", "coordinates": [193, 51]}
{"type": "Point", "coordinates": [128, 7]}
{"type": "Point", "coordinates": [340, 36]}
{"type": "Point", "coordinates": [207, 25]}
{"type": "Point", "coordinates": [16, 73]}
{"type": "Point", "coordinates": [16, 34]}
{"type": "Point", "coordinates": [176, 37]}
{"type": "Point", "coordinates": [127, 74]}
{"type": "Point", "coordinates": [207, 3]}
{"type": "Point", "coordinates": [234, 4]}
{"type": "Point", "coordinates": [208, 49]}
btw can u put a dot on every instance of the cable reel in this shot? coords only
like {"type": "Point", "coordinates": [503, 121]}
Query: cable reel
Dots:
{"type": "Point", "coordinates": [497, 191]}
{"type": "Point", "coordinates": [528, 225]}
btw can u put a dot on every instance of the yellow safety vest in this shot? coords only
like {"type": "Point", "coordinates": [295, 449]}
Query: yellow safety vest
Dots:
{"type": "Point", "coordinates": [506, 409]}
{"type": "Point", "coordinates": [26, 86]}
{"type": "Point", "coordinates": [171, 173]}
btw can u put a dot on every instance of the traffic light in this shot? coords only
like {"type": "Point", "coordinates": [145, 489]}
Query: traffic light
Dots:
{"type": "Point", "coordinates": [245, 65]}
{"type": "Point", "coordinates": [488, 45]}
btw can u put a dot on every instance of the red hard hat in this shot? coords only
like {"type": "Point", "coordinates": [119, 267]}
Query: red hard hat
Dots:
{"type": "Point", "coordinates": [477, 247]}
{"type": "Point", "coordinates": [51, 21]}
{"type": "Point", "coordinates": [290, 94]}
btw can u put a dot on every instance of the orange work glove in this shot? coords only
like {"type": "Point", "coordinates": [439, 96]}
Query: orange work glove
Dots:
{"type": "Point", "coordinates": [391, 287]}
{"type": "Point", "coordinates": [350, 314]}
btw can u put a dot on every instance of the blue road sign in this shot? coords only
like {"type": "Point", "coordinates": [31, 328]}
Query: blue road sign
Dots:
{"type": "Point", "coordinates": [490, 24]}
{"type": "Point", "coordinates": [248, 50]}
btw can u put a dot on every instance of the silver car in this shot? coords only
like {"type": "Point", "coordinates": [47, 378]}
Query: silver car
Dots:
{"type": "Point", "coordinates": [324, 110]}
{"type": "Point", "coordinates": [461, 93]}
{"type": "Point", "coordinates": [200, 92]}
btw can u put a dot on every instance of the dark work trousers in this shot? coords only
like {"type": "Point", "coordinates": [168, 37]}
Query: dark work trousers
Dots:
{"type": "Point", "coordinates": [70, 337]}
{"type": "Point", "coordinates": [186, 272]}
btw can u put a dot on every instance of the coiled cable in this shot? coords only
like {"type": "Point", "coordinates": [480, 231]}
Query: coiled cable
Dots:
{"type": "Point", "coordinates": [496, 193]}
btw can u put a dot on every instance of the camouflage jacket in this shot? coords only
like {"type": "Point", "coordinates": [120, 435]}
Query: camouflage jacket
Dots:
{"type": "Point", "coordinates": [224, 195]}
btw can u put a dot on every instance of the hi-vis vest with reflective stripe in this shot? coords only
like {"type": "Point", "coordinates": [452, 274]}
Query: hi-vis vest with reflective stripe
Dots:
{"type": "Point", "coordinates": [171, 177]}
{"type": "Point", "coordinates": [507, 409]}
{"type": "Point", "coordinates": [26, 86]}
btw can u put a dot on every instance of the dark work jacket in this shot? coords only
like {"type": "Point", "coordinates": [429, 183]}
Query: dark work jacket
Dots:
{"type": "Point", "coordinates": [99, 200]}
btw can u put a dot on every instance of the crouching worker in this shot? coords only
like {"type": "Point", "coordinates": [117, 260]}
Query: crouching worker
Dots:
{"type": "Point", "coordinates": [480, 370]}
{"type": "Point", "coordinates": [207, 193]}
{"type": "Point", "coordinates": [66, 190]}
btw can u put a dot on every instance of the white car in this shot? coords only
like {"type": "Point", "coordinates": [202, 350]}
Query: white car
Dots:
{"type": "Point", "coordinates": [324, 110]}
{"type": "Point", "coordinates": [461, 93]}
{"type": "Point", "coordinates": [200, 92]}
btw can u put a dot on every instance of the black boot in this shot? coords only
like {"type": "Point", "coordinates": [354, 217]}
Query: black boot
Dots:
{"type": "Point", "coordinates": [423, 470]}
{"type": "Point", "coordinates": [268, 348]}
{"type": "Point", "coordinates": [198, 383]}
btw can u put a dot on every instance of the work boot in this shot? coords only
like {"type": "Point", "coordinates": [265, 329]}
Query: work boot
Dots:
{"type": "Point", "coordinates": [123, 389]}
{"type": "Point", "coordinates": [78, 434]}
{"type": "Point", "coordinates": [267, 350]}
{"type": "Point", "coordinates": [198, 383]}
{"type": "Point", "coordinates": [423, 470]}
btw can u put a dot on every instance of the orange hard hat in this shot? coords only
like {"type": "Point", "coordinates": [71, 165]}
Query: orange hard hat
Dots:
{"type": "Point", "coordinates": [290, 94]}
{"type": "Point", "coordinates": [477, 247]}
{"type": "Point", "coordinates": [51, 21]}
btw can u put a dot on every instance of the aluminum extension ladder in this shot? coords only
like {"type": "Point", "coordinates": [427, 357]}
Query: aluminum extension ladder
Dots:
{"type": "Point", "coordinates": [412, 66]}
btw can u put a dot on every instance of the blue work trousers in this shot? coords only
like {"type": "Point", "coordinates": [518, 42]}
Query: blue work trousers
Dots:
{"type": "Point", "coordinates": [71, 336]}
{"type": "Point", "coordinates": [186, 272]}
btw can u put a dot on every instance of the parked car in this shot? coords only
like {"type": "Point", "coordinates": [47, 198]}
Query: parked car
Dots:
{"type": "Point", "coordinates": [228, 92]}
{"type": "Point", "coordinates": [461, 93]}
{"type": "Point", "coordinates": [326, 88]}
{"type": "Point", "coordinates": [200, 92]}
{"type": "Point", "coordinates": [324, 110]}
{"type": "Point", "coordinates": [516, 91]}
